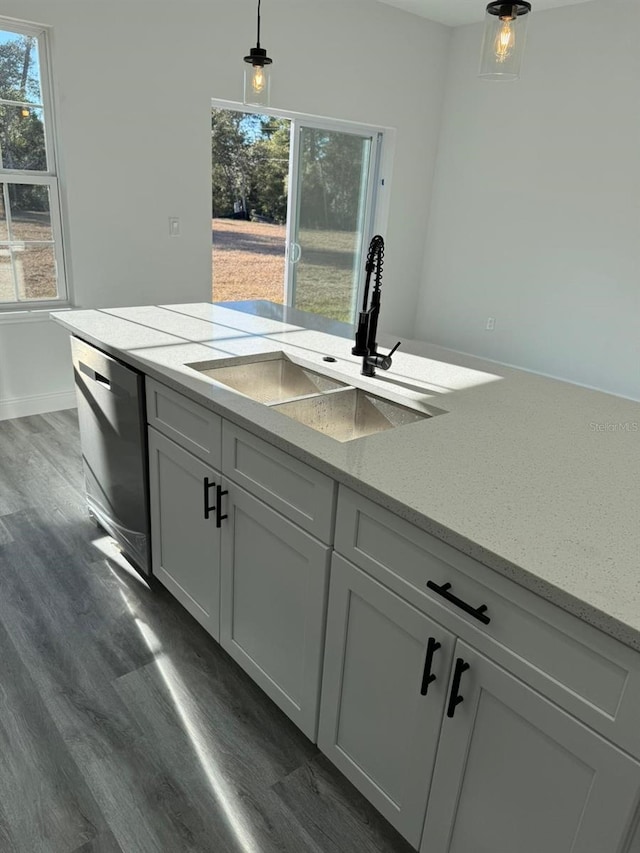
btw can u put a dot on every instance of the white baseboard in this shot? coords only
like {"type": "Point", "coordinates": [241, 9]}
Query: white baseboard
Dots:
{"type": "Point", "coordinates": [20, 407]}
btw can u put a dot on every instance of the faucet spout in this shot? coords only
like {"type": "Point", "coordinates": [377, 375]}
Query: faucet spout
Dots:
{"type": "Point", "coordinates": [367, 329]}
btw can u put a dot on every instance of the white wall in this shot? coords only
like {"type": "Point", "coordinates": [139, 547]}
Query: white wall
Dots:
{"type": "Point", "coordinates": [134, 79]}
{"type": "Point", "coordinates": [536, 205]}
{"type": "Point", "coordinates": [536, 208]}
{"type": "Point", "coordinates": [35, 368]}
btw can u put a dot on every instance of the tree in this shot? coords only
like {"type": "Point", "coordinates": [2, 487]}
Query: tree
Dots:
{"type": "Point", "coordinates": [18, 77]}
{"type": "Point", "coordinates": [231, 163]}
{"type": "Point", "coordinates": [270, 184]}
{"type": "Point", "coordinates": [249, 164]}
{"type": "Point", "coordinates": [331, 172]}
{"type": "Point", "coordinates": [22, 139]}
{"type": "Point", "coordinates": [342, 169]}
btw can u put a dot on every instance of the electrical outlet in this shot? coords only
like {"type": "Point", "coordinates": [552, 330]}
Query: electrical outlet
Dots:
{"type": "Point", "coordinates": [174, 226]}
{"type": "Point", "coordinates": [491, 324]}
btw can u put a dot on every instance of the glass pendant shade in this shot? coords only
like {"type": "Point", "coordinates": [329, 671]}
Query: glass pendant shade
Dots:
{"type": "Point", "coordinates": [504, 40]}
{"type": "Point", "coordinates": [257, 74]}
{"type": "Point", "coordinates": [257, 85]}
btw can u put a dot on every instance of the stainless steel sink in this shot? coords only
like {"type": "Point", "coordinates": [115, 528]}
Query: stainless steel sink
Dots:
{"type": "Point", "coordinates": [349, 413]}
{"type": "Point", "coordinates": [330, 406]}
{"type": "Point", "coordinates": [271, 380]}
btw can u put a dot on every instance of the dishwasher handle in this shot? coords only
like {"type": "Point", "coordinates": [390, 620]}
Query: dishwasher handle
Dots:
{"type": "Point", "coordinates": [95, 370]}
{"type": "Point", "coordinates": [93, 374]}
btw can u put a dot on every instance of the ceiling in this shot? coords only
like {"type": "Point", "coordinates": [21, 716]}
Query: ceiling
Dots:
{"type": "Point", "coordinates": [456, 12]}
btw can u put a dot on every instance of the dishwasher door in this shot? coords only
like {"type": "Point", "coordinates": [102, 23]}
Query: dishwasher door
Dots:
{"type": "Point", "coordinates": [111, 412]}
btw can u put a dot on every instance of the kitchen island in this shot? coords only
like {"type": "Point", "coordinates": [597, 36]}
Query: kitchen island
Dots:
{"type": "Point", "coordinates": [536, 478]}
{"type": "Point", "coordinates": [483, 562]}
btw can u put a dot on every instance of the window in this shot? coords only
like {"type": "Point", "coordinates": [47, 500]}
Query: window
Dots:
{"type": "Point", "coordinates": [294, 202]}
{"type": "Point", "coordinates": [31, 260]}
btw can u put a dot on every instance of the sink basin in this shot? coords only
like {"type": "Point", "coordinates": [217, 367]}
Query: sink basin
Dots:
{"type": "Point", "coordinates": [271, 380]}
{"type": "Point", "coordinates": [335, 408]}
{"type": "Point", "coordinates": [349, 413]}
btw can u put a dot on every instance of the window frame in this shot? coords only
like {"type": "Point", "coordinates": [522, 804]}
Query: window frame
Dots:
{"type": "Point", "coordinates": [49, 177]}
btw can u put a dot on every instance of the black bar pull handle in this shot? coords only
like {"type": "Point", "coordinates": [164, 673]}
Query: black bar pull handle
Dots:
{"type": "Point", "coordinates": [219, 516]}
{"type": "Point", "coordinates": [208, 509]}
{"type": "Point", "coordinates": [427, 676]}
{"type": "Point", "coordinates": [455, 698]}
{"type": "Point", "coordinates": [479, 613]}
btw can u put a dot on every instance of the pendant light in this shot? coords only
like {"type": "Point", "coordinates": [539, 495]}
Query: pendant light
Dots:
{"type": "Point", "coordinates": [257, 78]}
{"type": "Point", "coordinates": [504, 39]}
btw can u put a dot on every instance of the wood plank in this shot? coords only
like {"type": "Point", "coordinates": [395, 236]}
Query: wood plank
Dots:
{"type": "Point", "coordinates": [142, 803]}
{"type": "Point", "coordinates": [212, 749]}
{"type": "Point", "coordinates": [334, 814]}
{"type": "Point", "coordinates": [5, 536]}
{"type": "Point", "coordinates": [103, 843]}
{"type": "Point", "coordinates": [44, 803]}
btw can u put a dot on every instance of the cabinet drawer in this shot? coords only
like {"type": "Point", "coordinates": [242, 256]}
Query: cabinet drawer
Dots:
{"type": "Point", "coordinates": [187, 423]}
{"type": "Point", "coordinates": [287, 485]}
{"type": "Point", "coordinates": [587, 672]}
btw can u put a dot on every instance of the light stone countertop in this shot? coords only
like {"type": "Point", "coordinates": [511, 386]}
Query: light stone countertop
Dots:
{"type": "Point", "coordinates": [536, 478]}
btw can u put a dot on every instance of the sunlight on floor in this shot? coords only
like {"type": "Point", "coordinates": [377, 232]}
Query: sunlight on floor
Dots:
{"type": "Point", "coordinates": [197, 730]}
{"type": "Point", "coordinates": [110, 550]}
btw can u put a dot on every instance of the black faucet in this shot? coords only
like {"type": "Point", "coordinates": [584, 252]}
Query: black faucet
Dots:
{"type": "Point", "coordinates": [367, 329]}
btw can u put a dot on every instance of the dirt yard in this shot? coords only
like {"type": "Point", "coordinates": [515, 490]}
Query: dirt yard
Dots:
{"type": "Point", "coordinates": [248, 260]}
{"type": "Point", "coordinates": [34, 264]}
{"type": "Point", "coordinates": [249, 263]}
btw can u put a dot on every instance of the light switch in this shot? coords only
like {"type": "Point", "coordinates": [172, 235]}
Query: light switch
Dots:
{"type": "Point", "coordinates": [174, 226]}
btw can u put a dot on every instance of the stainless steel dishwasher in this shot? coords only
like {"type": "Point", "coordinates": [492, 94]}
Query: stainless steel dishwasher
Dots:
{"type": "Point", "coordinates": [111, 412]}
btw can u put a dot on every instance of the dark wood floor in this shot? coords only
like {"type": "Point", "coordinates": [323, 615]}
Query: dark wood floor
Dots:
{"type": "Point", "coordinates": [124, 728]}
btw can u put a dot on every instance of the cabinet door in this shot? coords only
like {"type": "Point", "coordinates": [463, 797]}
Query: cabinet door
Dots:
{"type": "Point", "coordinates": [274, 590]}
{"type": "Point", "coordinates": [514, 772]}
{"type": "Point", "coordinates": [380, 716]}
{"type": "Point", "coordinates": [185, 545]}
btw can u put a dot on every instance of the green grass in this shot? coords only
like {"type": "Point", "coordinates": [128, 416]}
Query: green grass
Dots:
{"type": "Point", "coordinates": [324, 274]}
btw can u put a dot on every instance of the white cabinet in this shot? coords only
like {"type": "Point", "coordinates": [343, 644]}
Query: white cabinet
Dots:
{"type": "Point", "coordinates": [475, 716]}
{"type": "Point", "coordinates": [512, 750]}
{"type": "Point", "coordinates": [497, 767]}
{"type": "Point", "coordinates": [385, 681]}
{"type": "Point", "coordinates": [590, 675]}
{"type": "Point", "coordinates": [185, 538]}
{"type": "Point", "coordinates": [188, 423]}
{"type": "Point", "coordinates": [516, 773]}
{"type": "Point", "coordinates": [276, 547]}
{"type": "Point", "coordinates": [299, 492]}
{"type": "Point", "coordinates": [251, 573]}
{"type": "Point", "coordinates": [273, 595]}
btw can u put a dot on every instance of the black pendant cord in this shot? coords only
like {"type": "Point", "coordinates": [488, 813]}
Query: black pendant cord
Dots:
{"type": "Point", "coordinates": [258, 40]}
{"type": "Point", "coordinates": [258, 55]}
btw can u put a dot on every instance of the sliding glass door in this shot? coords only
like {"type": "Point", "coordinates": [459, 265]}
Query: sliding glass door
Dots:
{"type": "Point", "coordinates": [330, 214]}
{"type": "Point", "coordinates": [293, 209]}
